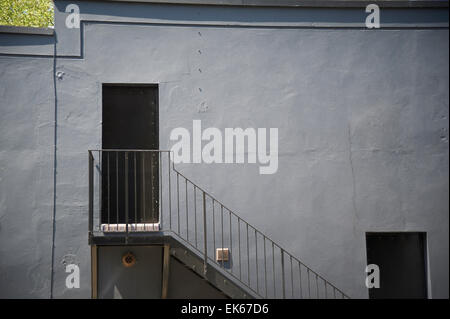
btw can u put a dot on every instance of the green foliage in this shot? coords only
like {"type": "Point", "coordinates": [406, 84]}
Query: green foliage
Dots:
{"type": "Point", "coordinates": [29, 13]}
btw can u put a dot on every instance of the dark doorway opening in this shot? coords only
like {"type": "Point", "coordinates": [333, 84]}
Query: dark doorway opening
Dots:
{"type": "Point", "coordinates": [130, 179]}
{"type": "Point", "coordinates": [401, 258]}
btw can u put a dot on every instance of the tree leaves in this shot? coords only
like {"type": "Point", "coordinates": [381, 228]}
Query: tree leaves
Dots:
{"type": "Point", "coordinates": [29, 13]}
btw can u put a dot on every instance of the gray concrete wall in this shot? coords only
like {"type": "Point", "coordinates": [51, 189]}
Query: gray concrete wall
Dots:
{"type": "Point", "coordinates": [26, 187]}
{"type": "Point", "coordinates": [362, 117]}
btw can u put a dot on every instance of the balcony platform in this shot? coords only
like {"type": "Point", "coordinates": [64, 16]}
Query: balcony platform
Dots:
{"type": "Point", "coordinates": [130, 238]}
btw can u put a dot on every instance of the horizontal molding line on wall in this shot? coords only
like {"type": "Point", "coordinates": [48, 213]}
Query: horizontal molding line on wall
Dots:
{"type": "Point", "coordinates": [298, 3]}
{"type": "Point", "coordinates": [300, 25]}
{"type": "Point", "coordinates": [27, 30]}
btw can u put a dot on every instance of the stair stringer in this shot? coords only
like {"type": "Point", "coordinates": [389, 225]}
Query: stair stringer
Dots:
{"type": "Point", "coordinates": [214, 275]}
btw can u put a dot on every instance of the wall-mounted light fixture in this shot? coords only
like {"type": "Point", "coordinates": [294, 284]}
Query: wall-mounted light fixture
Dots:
{"type": "Point", "coordinates": [129, 259]}
{"type": "Point", "coordinates": [222, 254]}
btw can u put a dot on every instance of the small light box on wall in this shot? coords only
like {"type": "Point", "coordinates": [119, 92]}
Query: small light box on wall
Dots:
{"type": "Point", "coordinates": [222, 254]}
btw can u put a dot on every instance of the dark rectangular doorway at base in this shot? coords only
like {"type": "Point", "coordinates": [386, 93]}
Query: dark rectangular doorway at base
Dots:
{"type": "Point", "coordinates": [401, 258]}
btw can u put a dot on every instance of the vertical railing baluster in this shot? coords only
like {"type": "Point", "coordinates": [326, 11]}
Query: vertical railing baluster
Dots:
{"type": "Point", "coordinates": [248, 257]}
{"type": "Point", "coordinates": [126, 196]}
{"type": "Point", "coordinates": [256, 262]}
{"type": "Point", "coordinates": [214, 225]}
{"type": "Point", "coordinates": [135, 192]}
{"type": "Point", "coordinates": [109, 192]}
{"type": "Point", "coordinates": [117, 190]}
{"type": "Point", "coordinates": [317, 286]}
{"type": "Point", "coordinates": [309, 283]}
{"type": "Point", "coordinates": [292, 280]}
{"type": "Point", "coordinates": [187, 211]}
{"type": "Point", "coordinates": [205, 236]}
{"type": "Point", "coordinates": [152, 189]}
{"type": "Point", "coordinates": [265, 266]}
{"type": "Point", "coordinates": [273, 271]}
{"type": "Point", "coordinates": [195, 213]}
{"type": "Point", "coordinates": [170, 193]}
{"type": "Point", "coordinates": [144, 213]}
{"type": "Point", "coordinates": [100, 186]}
{"type": "Point", "coordinates": [283, 282]}
{"type": "Point", "coordinates": [221, 224]}
{"type": "Point", "coordinates": [91, 191]}
{"type": "Point", "coordinates": [240, 247]}
{"type": "Point", "coordinates": [178, 203]}
{"type": "Point", "coordinates": [300, 277]}
{"type": "Point", "coordinates": [231, 244]}
{"type": "Point", "coordinates": [161, 213]}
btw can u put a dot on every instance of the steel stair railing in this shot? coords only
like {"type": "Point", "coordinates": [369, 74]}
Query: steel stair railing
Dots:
{"type": "Point", "coordinates": [145, 187]}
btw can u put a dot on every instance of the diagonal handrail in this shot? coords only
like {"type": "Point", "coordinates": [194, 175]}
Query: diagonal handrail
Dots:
{"type": "Point", "coordinates": [292, 257]}
{"type": "Point", "coordinates": [261, 257]}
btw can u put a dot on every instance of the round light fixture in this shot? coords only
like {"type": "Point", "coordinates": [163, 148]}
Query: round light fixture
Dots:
{"type": "Point", "coordinates": [129, 259]}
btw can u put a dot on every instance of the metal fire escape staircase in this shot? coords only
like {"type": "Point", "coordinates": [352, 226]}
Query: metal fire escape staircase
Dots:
{"type": "Point", "coordinates": [195, 225]}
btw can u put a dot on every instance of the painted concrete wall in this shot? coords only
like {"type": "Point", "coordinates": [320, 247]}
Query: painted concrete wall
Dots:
{"type": "Point", "coordinates": [26, 187]}
{"type": "Point", "coordinates": [362, 117]}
